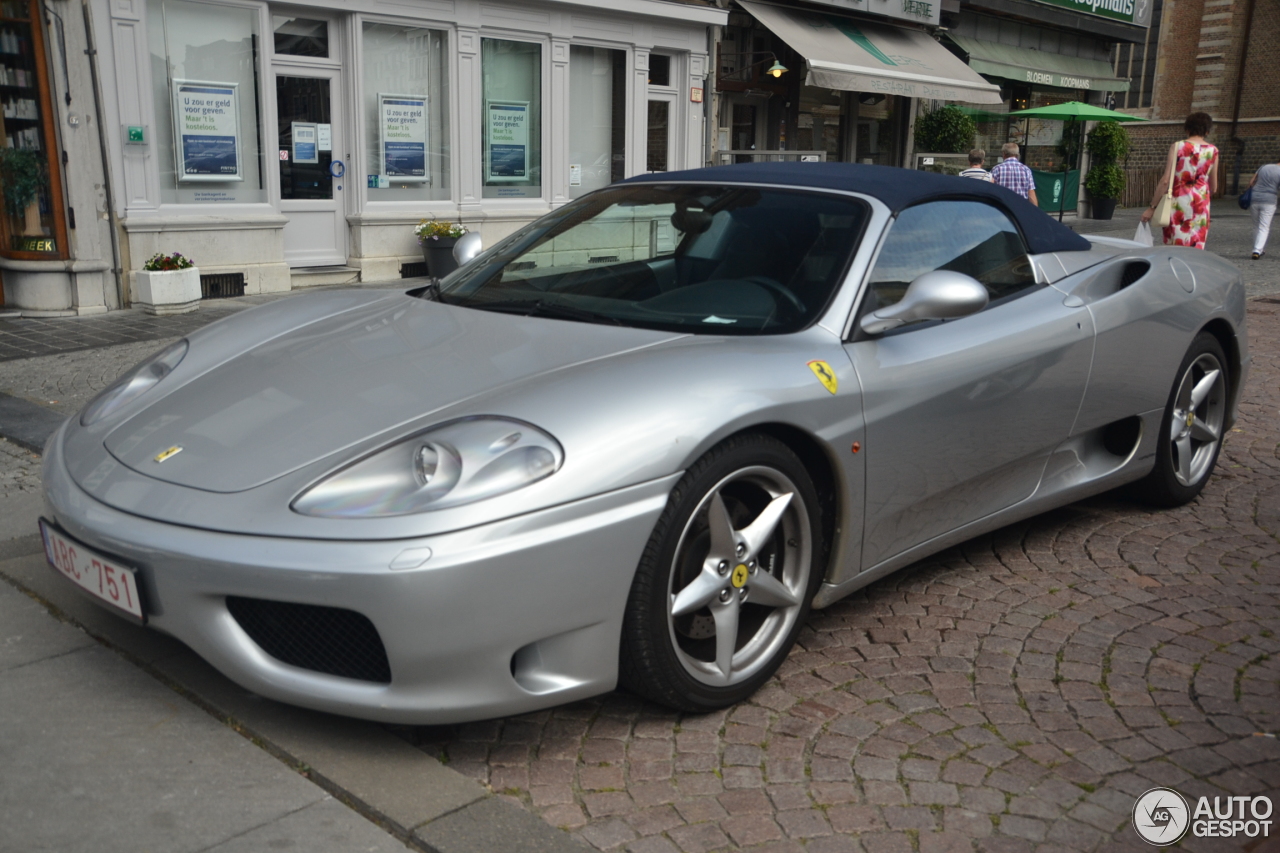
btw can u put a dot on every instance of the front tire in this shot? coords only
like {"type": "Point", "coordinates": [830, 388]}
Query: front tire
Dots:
{"type": "Point", "coordinates": [1192, 428]}
{"type": "Point", "coordinates": [726, 580]}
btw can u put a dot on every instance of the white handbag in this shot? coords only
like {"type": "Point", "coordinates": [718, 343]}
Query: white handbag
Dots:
{"type": "Point", "coordinates": [1164, 208]}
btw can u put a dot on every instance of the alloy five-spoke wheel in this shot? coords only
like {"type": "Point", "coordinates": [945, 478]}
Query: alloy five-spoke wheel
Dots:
{"type": "Point", "coordinates": [727, 578]}
{"type": "Point", "coordinates": [1195, 420]}
{"type": "Point", "coordinates": [1200, 408]}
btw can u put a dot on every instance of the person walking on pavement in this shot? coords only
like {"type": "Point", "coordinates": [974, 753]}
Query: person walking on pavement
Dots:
{"type": "Point", "coordinates": [1193, 163]}
{"type": "Point", "coordinates": [1265, 183]}
{"type": "Point", "coordinates": [975, 170]}
{"type": "Point", "coordinates": [1011, 174]}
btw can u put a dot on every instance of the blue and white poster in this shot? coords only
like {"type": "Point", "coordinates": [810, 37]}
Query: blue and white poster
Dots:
{"type": "Point", "coordinates": [305, 148]}
{"type": "Point", "coordinates": [206, 118]}
{"type": "Point", "coordinates": [507, 135]}
{"type": "Point", "coordinates": [403, 122]}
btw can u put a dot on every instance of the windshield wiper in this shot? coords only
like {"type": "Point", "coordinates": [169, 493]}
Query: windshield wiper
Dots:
{"type": "Point", "coordinates": [543, 308]}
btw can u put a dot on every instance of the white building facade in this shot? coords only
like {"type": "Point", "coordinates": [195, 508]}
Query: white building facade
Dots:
{"type": "Point", "coordinates": [297, 145]}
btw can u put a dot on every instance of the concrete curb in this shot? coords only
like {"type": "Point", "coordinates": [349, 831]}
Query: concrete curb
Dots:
{"type": "Point", "coordinates": [27, 424]}
{"type": "Point", "coordinates": [407, 792]}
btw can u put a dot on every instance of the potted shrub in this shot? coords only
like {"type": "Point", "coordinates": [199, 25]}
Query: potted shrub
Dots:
{"type": "Point", "coordinates": [1108, 142]}
{"type": "Point", "coordinates": [168, 284]}
{"type": "Point", "coordinates": [946, 130]}
{"type": "Point", "coordinates": [437, 238]}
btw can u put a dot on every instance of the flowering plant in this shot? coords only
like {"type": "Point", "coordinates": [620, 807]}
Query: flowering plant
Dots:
{"type": "Point", "coordinates": [167, 263]}
{"type": "Point", "coordinates": [434, 229]}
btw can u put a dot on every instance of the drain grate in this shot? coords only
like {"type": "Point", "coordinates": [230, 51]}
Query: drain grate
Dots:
{"type": "Point", "coordinates": [222, 285]}
{"type": "Point", "coordinates": [415, 269]}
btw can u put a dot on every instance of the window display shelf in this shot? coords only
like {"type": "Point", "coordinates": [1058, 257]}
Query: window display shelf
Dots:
{"type": "Point", "coordinates": [32, 226]}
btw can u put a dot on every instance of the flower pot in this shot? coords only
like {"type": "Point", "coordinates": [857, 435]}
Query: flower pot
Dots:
{"type": "Point", "coordinates": [438, 253]}
{"type": "Point", "coordinates": [173, 292]}
{"type": "Point", "coordinates": [1104, 207]}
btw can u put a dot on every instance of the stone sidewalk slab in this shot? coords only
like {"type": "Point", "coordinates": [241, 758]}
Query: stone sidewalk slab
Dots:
{"type": "Point", "coordinates": [99, 757]}
{"type": "Point", "coordinates": [405, 790]}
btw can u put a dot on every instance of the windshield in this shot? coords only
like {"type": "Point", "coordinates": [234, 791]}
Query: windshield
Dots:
{"type": "Point", "coordinates": [701, 259]}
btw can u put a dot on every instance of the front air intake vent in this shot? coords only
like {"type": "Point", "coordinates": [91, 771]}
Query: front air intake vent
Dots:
{"type": "Point", "coordinates": [323, 639]}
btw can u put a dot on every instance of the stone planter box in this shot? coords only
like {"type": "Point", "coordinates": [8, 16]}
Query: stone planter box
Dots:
{"type": "Point", "coordinates": [174, 292]}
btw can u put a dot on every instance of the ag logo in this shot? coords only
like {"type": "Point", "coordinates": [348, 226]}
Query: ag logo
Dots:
{"type": "Point", "coordinates": [1161, 816]}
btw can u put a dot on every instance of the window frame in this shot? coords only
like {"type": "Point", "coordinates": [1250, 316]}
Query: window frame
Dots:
{"type": "Point", "coordinates": [855, 333]}
{"type": "Point", "coordinates": [446, 208]}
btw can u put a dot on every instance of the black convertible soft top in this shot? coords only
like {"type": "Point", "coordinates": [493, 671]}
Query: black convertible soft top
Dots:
{"type": "Point", "coordinates": [897, 188]}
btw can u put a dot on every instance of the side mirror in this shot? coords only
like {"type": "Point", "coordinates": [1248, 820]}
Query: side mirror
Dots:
{"type": "Point", "coordinates": [467, 247]}
{"type": "Point", "coordinates": [937, 295]}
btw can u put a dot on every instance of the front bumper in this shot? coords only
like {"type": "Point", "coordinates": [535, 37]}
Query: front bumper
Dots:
{"type": "Point", "coordinates": [501, 619]}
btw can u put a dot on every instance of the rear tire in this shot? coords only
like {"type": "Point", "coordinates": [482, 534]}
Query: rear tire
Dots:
{"type": "Point", "coordinates": [1192, 428]}
{"type": "Point", "coordinates": [725, 583]}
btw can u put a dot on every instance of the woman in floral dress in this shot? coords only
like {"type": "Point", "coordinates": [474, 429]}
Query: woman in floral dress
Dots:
{"type": "Point", "coordinates": [1194, 164]}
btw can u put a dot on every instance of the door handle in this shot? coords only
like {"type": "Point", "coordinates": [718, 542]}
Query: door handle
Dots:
{"type": "Point", "coordinates": [337, 169]}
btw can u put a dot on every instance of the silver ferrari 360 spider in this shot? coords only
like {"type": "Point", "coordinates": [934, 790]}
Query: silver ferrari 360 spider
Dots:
{"type": "Point", "coordinates": [637, 440]}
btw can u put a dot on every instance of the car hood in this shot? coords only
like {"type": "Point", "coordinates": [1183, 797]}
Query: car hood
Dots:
{"type": "Point", "coordinates": [284, 403]}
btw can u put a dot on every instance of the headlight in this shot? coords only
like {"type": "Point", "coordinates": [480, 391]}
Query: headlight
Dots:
{"type": "Point", "coordinates": [134, 383]}
{"type": "Point", "coordinates": [445, 466]}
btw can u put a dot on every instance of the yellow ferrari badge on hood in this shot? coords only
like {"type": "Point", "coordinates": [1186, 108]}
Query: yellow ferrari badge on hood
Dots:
{"type": "Point", "coordinates": [172, 451]}
{"type": "Point", "coordinates": [825, 375]}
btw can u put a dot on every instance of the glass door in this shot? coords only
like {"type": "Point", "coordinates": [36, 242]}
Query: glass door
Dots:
{"type": "Point", "coordinates": [660, 148]}
{"type": "Point", "coordinates": [312, 167]}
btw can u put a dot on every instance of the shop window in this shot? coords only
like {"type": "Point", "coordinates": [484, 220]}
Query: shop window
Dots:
{"type": "Point", "coordinates": [659, 141]}
{"type": "Point", "coordinates": [406, 113]}
{"type": "Point", "coordinates": [659, 70]}
{"type": "Point", "coordinates": [818, 121]}
{"type": "Point", "coordinates": [597, 118]}
{"type": "Point", "coordinates": [301, 36]}
{"type": "Point", "coordinates": [512, 122]}
{"type": "Point", "coordinates": [880, 119]}
{"type": "Point", "coordinates": [32, 225]}
{"type": "Point", "coordinates": [205, 76]}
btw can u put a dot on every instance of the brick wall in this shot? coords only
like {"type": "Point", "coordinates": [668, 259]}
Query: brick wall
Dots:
{"type": "Point", "coordinates": [1261, 94]}
{"type": "Point", "coordinates": [1175, 63]}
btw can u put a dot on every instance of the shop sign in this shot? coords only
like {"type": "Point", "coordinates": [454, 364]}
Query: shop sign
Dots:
{"type": "Point", "coordinates": [507, 135]}
{"type": "Point", "coordinates": [1062, 81]}
{"type": "Point", "coordinates": [919, 11]}
{"type": "Point", "coordinates": [206, 119]}
{"type": "Point", "coordinates": [36, 244]}
{"type": "Point", "coordinates": [403, 129]}
{"type": "Point", "coordinates": [1136, 12]}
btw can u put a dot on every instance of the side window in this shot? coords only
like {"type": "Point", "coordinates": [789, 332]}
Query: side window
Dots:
{"type": "Point", "coordinates": [965, 236]}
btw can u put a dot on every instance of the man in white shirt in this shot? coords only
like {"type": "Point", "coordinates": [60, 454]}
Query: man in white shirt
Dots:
{"type": "Point", "coordinates": [975, 170]}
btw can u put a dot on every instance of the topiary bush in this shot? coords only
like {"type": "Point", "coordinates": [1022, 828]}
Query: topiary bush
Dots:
{"type": "Point", "coordinates": [1106, 180]}
{"type": "Point", "coordinates": [945, 131]}
{"type": "Point", "coordinates": [22, 175]}
{"type": "Point", "coordinates": [1108, 142]}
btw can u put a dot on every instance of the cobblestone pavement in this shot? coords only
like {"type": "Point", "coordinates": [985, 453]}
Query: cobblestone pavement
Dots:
{"type": "Point", "coordinates": [1012, 694]}
{"type": "Point", "coordinates": [1015, 693]}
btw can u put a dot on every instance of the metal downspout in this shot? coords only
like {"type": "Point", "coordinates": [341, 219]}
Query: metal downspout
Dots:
{"type": "Point", "coordinates": [1235, 115]}
{"type": "Point", "coordinates": [113, 221]}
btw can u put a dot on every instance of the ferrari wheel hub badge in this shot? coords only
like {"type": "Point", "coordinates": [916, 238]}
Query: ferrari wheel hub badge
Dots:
{"type": "Point", "coordinates": [1191, 419]}
{"type": "Point", "coordinates": [739, 575]}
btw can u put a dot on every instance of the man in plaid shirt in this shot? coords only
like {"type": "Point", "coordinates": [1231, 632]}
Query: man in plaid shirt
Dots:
{"type": "Point", "coordinates": [1013, 175]}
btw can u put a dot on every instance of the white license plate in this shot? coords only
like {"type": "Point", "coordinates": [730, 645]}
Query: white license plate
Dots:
{"type": "Point", "coordinates": [99, 576]}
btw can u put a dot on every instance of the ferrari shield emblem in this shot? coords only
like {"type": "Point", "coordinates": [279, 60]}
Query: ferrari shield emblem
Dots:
{"type": "Point", "coordinates": [739, 577]}
{"type": "Point", "coordinates": [825, 375]}
{"type": "Point", "coordinates": [172, 451]}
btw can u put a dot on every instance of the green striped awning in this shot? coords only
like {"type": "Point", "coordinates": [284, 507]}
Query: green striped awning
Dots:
{"type": "Point", "coordinates": [1026, 65]}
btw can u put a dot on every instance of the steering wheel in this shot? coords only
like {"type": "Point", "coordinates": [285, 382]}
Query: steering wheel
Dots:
{"type": "Point", "coordinates": [778, 290]}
